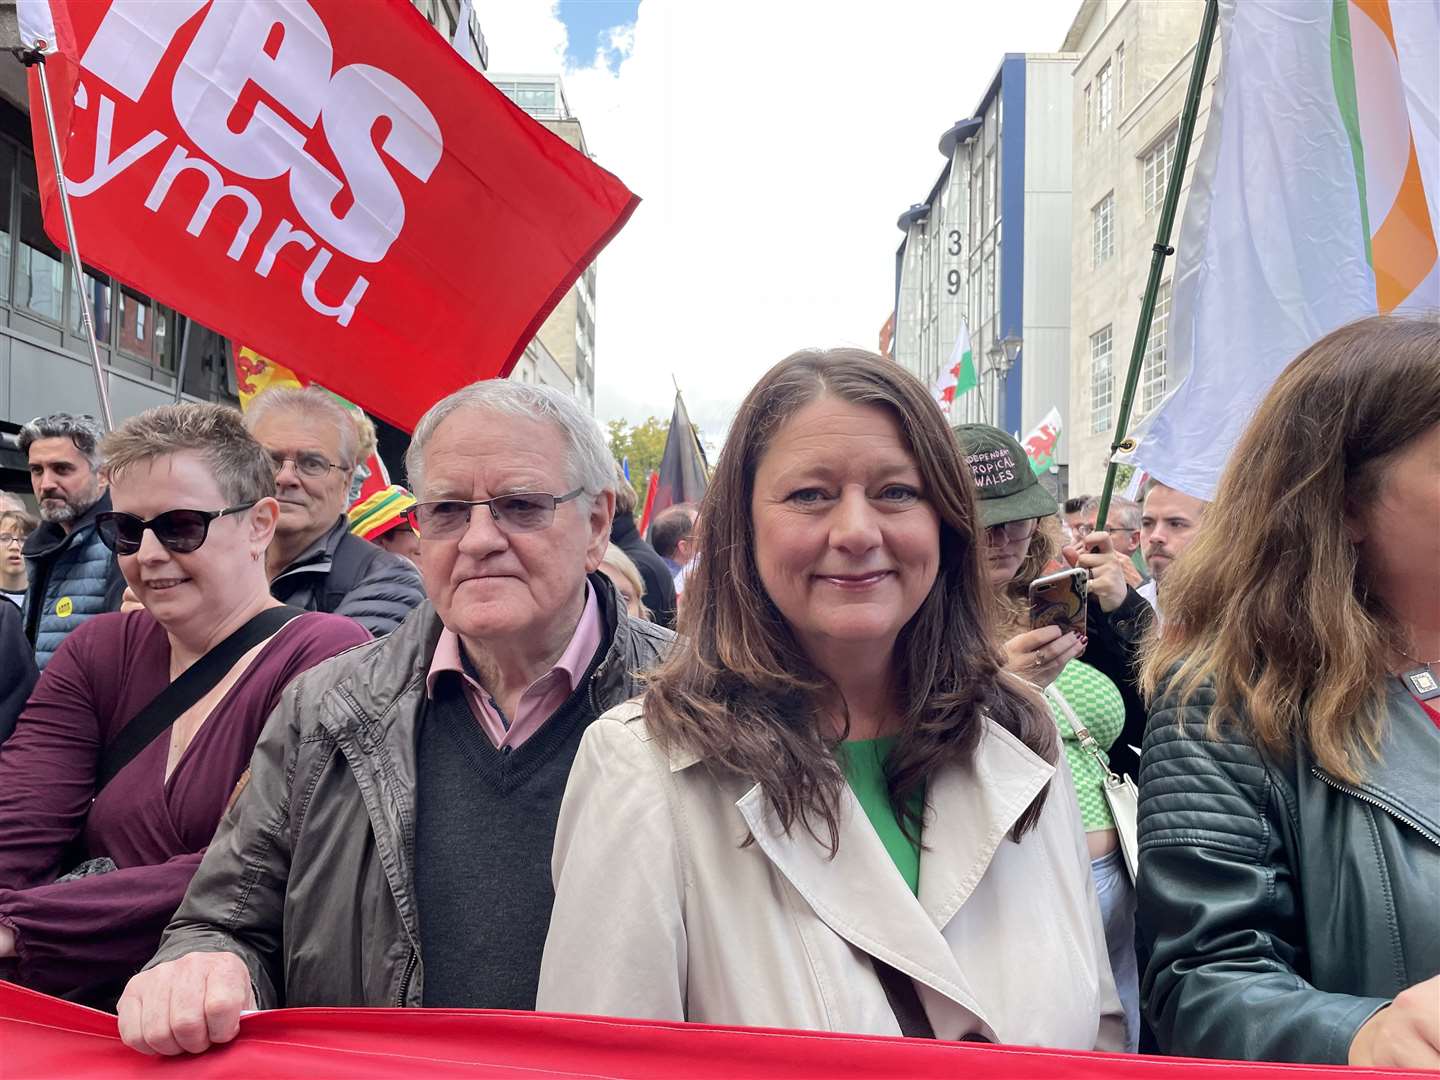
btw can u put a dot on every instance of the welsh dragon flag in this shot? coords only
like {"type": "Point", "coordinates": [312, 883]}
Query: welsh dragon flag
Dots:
{"type": "Point", "coordinates": [1312, 204]}
{"type": "Point", "coordinates": [958, 376]}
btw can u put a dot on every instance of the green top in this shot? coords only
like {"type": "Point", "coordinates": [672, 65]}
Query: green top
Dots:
{"type": "Point", "coordinates": [1096, 700]}
{"type": "Point", "coordinates": [863, 762]}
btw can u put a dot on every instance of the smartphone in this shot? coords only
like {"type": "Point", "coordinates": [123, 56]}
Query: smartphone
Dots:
{"type": "Point", "coordinates": [1059, 600]}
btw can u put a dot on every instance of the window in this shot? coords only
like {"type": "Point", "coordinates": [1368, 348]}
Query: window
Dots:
{"type": "Point", "coordinates": [1089, 114]}
{"type": "Point", "coordinates": [39, 273]}
{"type": "Point", "coordinates": [97, 295]}
{"type": "Point", "coordinates": [1102, 219]}
{"type": "Point", "coordinates": [1152, 367]}
{"type": "Point", "coordinates": [7, 173]}
{"type": "Point", "coordinates": [1155, 172]}
{"type": "Point", "coordinates": [1120, 78]}
{"type": "Point", "coordinates": [1105, 100]}
{"type": "Point", "coordinates": [1102, 382]}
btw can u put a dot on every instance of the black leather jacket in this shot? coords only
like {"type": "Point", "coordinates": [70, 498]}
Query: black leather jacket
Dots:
{"type": "Point", "coordinates": [1285, 906]}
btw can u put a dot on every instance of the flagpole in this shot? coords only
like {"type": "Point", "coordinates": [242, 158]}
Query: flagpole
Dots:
{"type": "Point", "coordinates": [1162, 248]}
{"type": "Point", "coordinates": [35, 56]}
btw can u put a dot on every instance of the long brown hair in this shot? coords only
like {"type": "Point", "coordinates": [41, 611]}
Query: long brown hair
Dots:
{"type": "Point", "coordinates": [741, 693]}
{"type": "Point", "coordinates": [1270, 605]}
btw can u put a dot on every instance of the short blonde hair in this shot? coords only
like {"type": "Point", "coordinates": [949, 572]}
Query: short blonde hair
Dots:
{"type": "Point", "coordinates": [622, 564]}
{"type": "Point", "coordinates": [215, 433]}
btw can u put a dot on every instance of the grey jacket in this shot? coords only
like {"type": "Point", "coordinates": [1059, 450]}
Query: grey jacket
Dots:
{"type": "Point", "coordinates": [346, 575]}
{"type": "Point", "coordinates": [1285, 906]}
{"type": "Point", "coordinates": [310, 877]}
{"type": "Point", "coordinates": [73, 576]}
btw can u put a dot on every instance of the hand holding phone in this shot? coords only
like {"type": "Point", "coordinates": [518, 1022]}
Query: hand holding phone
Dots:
{"type": "Point", "coordinates": [1059, 600]}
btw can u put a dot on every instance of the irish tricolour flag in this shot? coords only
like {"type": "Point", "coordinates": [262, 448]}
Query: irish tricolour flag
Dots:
{"type": "Point", "coordinates": [958, 374]}
{"type": "Point", "coordinates": [1313, 203]}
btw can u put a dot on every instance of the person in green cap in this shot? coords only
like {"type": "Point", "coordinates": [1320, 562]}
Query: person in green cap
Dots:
{"type": "Point", "coordinates": [1022, 531]}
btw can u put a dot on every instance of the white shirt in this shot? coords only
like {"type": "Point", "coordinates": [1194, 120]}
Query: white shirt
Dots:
{"type": "Point", "coordinates": [1147, 591]}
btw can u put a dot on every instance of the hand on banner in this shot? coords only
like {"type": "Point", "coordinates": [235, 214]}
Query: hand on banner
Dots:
{"type": "Point", "coordinates": [1038, 656]}
{"type": "Point", "coordinates": [1107, 581]}
{"type": "Point", "coordinates": [186, 1005]}
{"type": "Point", "coordinates": [1403, 1035]}
{"type": "Point", "coordinates": [7, 942]}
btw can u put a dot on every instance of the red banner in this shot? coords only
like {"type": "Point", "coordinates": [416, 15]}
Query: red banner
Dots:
{"type": "Point", "coordinates": [325, 181]}
{"type": "Point", "coordinates": [45, 1037]}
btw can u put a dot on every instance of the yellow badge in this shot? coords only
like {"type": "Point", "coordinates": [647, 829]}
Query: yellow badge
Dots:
{"type": "Point", "coordinates": [64, 606]}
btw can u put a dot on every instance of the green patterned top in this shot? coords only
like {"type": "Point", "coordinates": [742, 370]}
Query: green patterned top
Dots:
{"type": "Point", "coordinates": [1096, 701]}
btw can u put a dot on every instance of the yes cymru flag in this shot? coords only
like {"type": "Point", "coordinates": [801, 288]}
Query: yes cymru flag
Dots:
{"type": "Point", "coordinates": [325, 180]}
{"type": "Point", "coordinates": [958, 376]}
{"type": "Point", "coordinates": [1312, 204]}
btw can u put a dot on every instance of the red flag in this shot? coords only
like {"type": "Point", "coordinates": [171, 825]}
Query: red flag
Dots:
{"type": "Point", "coordinates": [343, 193]}
{"type": "Point", "coordinates": [650, 485]}
{"type": "Point", "coordinates": [44, 1037]}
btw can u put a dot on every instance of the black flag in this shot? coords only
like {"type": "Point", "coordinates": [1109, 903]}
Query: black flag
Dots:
{"type": "Point", "coordinates": [683, 474]}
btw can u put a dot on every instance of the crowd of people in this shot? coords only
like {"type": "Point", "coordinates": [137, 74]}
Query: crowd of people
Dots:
{"type": "Point", "coordinates": [805, 756]}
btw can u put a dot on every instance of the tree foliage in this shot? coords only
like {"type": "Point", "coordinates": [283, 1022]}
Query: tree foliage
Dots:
{"type": "Point", "coordinates": [643, 444]}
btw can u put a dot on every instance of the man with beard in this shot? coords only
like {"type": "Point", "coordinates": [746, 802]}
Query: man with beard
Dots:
{"type": "Point", "coordinates": [73, 575]}
{"type": "Point", "coordinates": [1170, 521]}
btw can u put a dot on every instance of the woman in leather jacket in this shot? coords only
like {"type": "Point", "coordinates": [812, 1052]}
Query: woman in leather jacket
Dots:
{"type": "Point", "coordinates": [1290, 784]}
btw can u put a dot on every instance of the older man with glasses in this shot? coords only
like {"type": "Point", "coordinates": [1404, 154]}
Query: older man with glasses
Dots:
{"type": "Point", "coordinates": [393, 845]}
{"type": "Point", "coordinates": [315, 562]}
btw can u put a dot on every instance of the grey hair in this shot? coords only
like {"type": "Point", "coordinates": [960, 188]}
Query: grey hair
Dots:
{"type": "Point", "coordinates": [310, 401]}
{"type": "Point", "coordinates": [84, 431]}
{"type": "Point", "coordinates": [591, 467]}
{"type": "Point", "coordinates": [1123, 512]}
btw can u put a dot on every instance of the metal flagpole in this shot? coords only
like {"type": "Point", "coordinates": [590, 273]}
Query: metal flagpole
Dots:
{"type": "Point", "coordinates": [102, 390]}
{"type": "Point", "coordinates": [184, 356]}
{"type": "Point", "coordinates": [1161, 249]}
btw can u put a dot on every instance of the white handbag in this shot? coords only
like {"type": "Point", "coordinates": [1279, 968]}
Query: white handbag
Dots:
{"type": "Point", "coordinates": [1121, 794]}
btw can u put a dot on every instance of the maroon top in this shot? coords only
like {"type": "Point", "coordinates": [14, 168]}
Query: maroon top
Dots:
{"type": "Point", "coordinates": [91, 931]}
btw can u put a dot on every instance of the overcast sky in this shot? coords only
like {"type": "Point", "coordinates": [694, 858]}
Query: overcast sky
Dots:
{"type": "Point", "coordinates": [773, 145]}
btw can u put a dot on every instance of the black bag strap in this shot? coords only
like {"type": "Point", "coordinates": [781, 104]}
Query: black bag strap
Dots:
{"type": "Point", "coordinates": [194, 683]}
{"type": "Point", "coordinates": [904, 1001]}
{"type": "Point", "coordinates": [353, 559]}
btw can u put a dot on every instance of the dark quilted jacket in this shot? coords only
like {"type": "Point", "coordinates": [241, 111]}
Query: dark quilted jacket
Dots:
{"type": "Point", "coordinates": [1285, 906]}
{"type": "Point", "coordinates": [380, 598]}
{"type": "Point", "coordinates": [76, 567]}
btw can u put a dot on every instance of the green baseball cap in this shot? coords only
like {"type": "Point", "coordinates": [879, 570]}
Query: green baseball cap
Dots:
{"type": "Point", "coordinates": [1005, 484]}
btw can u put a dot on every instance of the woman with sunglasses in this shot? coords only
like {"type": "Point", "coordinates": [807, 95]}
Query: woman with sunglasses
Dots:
{"type": "Point", "coordinates": [1022, 531]}
{"type": "Point", "coordinates": [96, 851]}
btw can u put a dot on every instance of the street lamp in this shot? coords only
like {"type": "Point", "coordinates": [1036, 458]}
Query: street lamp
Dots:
{"type": "Point", "coordinates": [1003, 355]}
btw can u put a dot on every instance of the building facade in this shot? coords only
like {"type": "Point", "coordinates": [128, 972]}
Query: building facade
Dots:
{"type": "Point", "coordinates": [568, 333]}
{"type": "Point", "coordinates": [988, 249]}
{"type": "Point", "coordinates": [1129, 89]}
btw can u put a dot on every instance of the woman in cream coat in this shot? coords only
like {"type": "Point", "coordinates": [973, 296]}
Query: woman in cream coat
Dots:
{"type": "Point", "coordinates": [832, 810]}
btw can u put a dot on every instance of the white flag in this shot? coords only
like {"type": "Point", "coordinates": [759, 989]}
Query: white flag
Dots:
{"type": "Point", "coordinates": [1313, 203]}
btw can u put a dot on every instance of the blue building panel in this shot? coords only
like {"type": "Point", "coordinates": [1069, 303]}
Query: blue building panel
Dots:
{"type": "Point", "coordinates": [1012, 238]}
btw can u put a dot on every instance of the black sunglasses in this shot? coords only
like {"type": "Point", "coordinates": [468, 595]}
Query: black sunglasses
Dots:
{"type": "Point", "coordinates": [182, 531]}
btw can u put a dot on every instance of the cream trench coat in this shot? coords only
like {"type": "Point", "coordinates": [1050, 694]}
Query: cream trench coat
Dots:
{"type": "Point", "coordinates": [660, 912]}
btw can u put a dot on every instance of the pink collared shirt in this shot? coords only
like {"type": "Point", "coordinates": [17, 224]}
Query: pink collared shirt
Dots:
{"type": "Point", "coordinates": [541, 698]}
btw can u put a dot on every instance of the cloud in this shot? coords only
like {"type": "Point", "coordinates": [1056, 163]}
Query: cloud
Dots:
{"type": "Point", "coordinates": [774, 144]}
